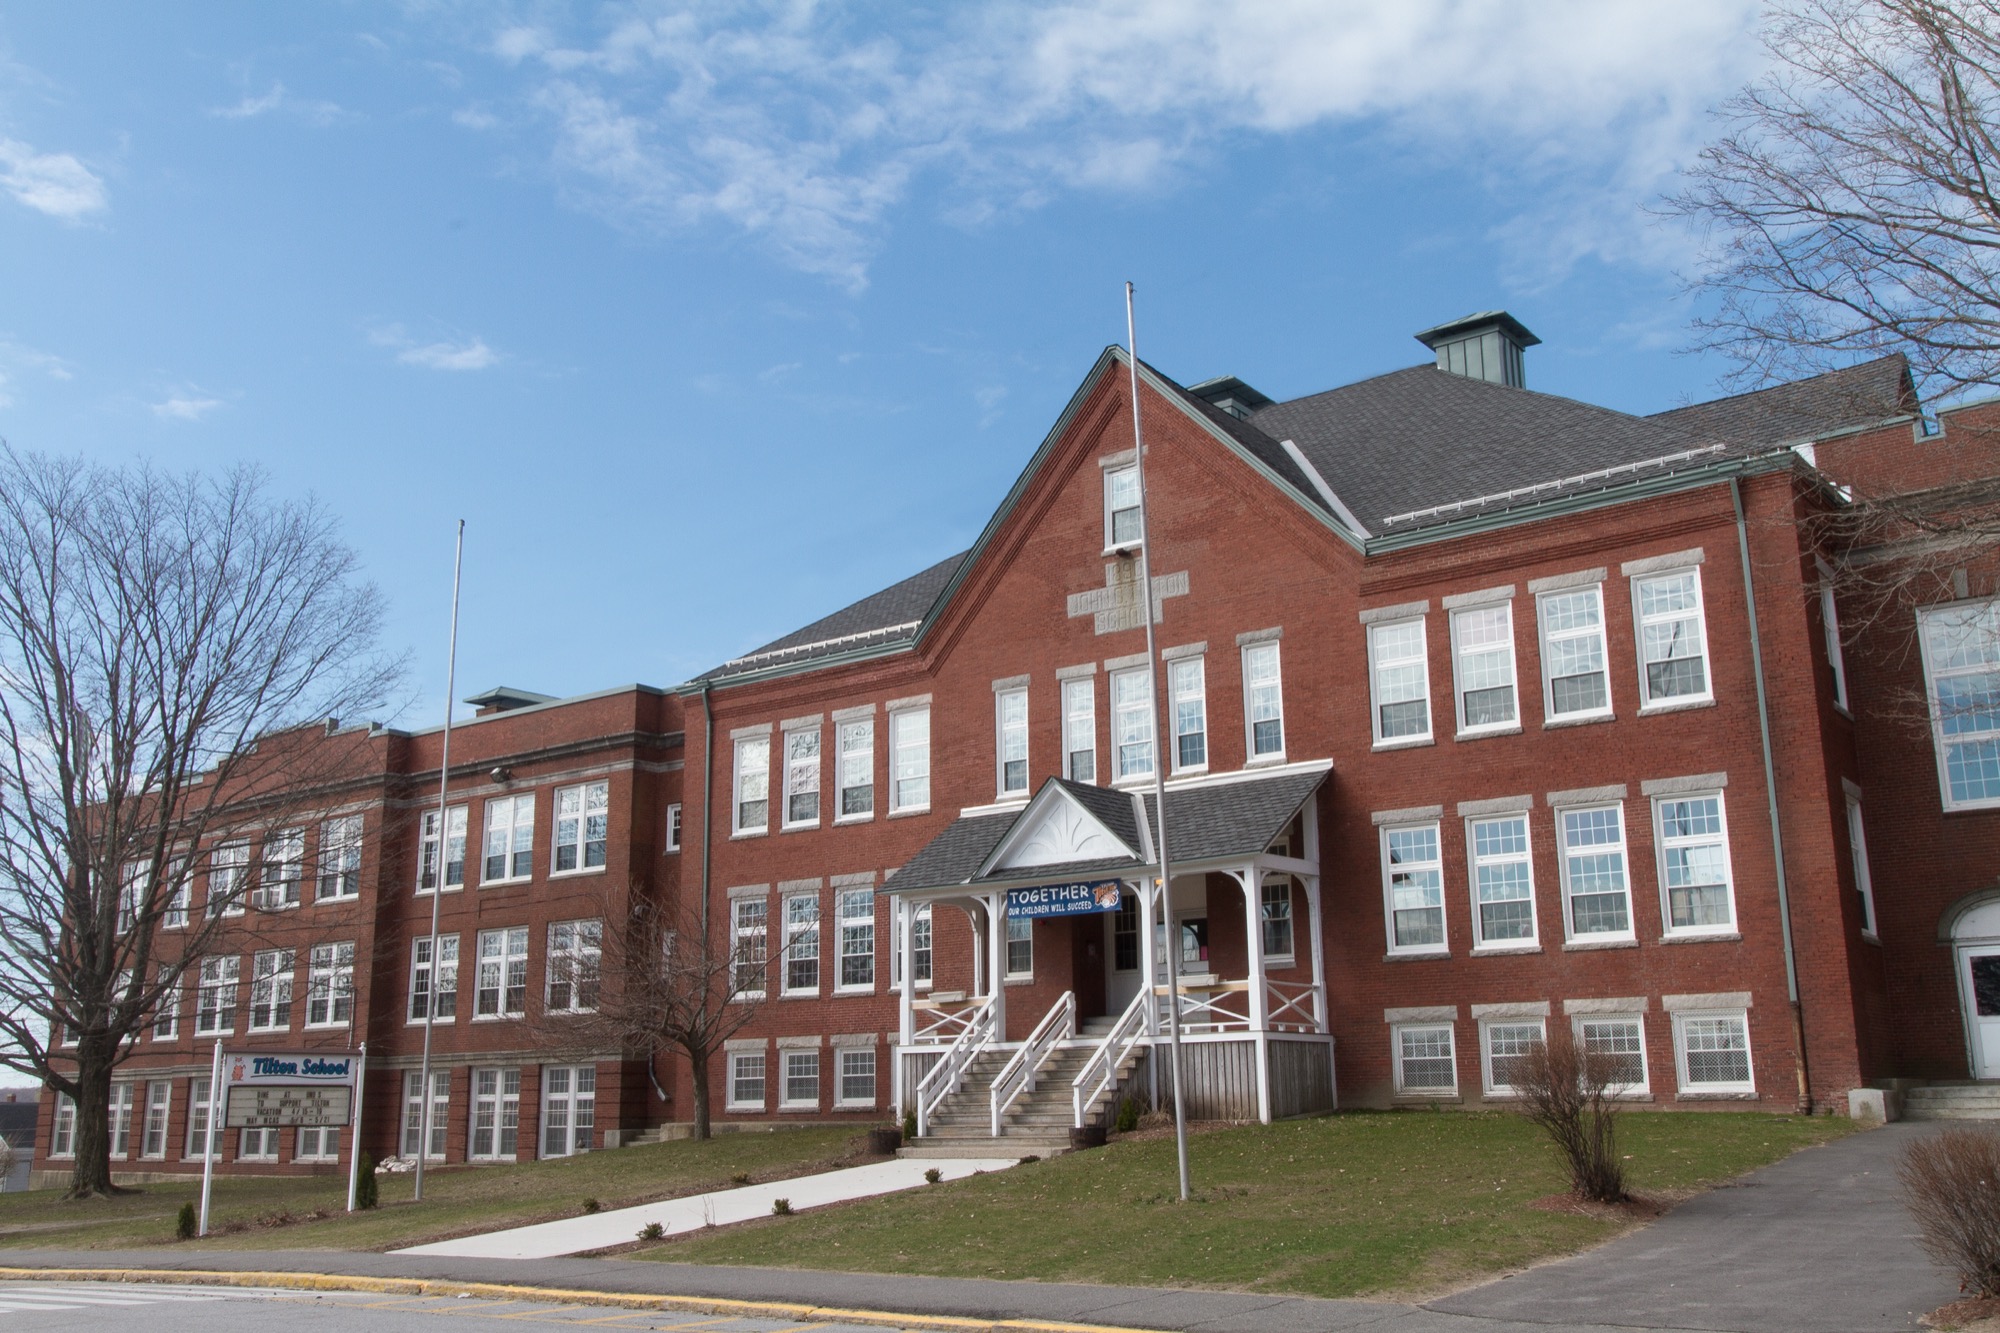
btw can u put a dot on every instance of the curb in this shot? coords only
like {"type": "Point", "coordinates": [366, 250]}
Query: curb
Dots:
{"type": "Point", "coordinates": [407, 1286]}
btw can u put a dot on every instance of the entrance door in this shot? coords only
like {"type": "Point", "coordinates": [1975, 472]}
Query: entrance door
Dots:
{"type": "Point", "coordinates": [1980, 976]}
{"type": "Point", "coordinates": [1121, 986]}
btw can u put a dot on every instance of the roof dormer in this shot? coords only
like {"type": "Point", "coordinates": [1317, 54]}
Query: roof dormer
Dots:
{"type": "Point", "coordinates": [1486, 346]}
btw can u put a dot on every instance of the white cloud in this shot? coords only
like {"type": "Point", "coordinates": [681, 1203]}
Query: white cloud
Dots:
{"type": "Point", "coordinates": [278, 99]}
{"type": "Point", "coordinates": [469, 354]}
{"type": "Point", "coordinates": [474, 118]}
{"type": "Point", "coordinates": [185, 405]}
{"type": "Point", "coordinates": [786, 122]}
{"type": "Point", "coordinates": [52, 183]}
{"type": "Point", "coordinates": [19, 358]}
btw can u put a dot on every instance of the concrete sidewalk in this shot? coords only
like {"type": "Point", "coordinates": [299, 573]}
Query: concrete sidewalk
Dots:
{"type": "Point", "coordinates": [597, 1231]}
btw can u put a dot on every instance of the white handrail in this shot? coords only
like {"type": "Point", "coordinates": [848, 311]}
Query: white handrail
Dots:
{"type": "Point", "coordinates": [943, 1077]}
{"type": "Point", "coordinates": [1018, 1075]}
{"type": "Point", "coordinates": [1110, 1053]}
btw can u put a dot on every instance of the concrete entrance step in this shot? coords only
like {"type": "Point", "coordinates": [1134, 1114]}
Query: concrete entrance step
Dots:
{"type": "Point", "coordinates": [1953, 1101]}
{"type": "Point", "coordinates": [984, 1146]}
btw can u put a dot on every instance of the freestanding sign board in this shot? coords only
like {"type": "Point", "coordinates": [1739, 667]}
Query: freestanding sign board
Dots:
{"type": "Point", "coordinates": [1076, 899]}
{"type": "Point", "coordinates": [265, 1090]}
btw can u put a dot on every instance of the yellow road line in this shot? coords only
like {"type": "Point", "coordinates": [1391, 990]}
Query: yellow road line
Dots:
{"type": "Point", "coordinates": [408, 1287]}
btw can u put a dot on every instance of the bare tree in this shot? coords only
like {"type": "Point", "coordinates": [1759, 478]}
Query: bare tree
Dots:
{"type": "Point", "coordinates": [1567, 1090]}
{"type": "Point", "coordinates": [157, 633]}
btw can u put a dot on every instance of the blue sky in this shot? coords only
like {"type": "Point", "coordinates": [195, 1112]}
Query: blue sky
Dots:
{"type": "Point", "coordinates": [712, 318]}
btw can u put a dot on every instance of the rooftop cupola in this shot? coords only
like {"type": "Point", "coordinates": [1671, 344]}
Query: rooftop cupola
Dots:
{"type": "Point", "coordinates": [505, 699]}
{"type": "Point", "coordinates": [1486, 346]}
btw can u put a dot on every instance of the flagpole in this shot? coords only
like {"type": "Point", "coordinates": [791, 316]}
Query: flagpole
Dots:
{"type": "Point", "coordinates": [1160, 734]}
{"type": "Point", "coordinates": [437, 884]}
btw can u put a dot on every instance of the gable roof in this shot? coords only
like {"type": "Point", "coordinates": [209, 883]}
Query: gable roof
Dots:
{"type": "Point", "coordinates": [1803, 409]}
{"type": "Point", "coordinates": [885, 619]}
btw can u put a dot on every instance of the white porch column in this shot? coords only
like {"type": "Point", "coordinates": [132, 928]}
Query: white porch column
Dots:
{"type": "Point", "coordinates": [978, 947]}
{"type": "Point", "coordinates": [1251, 879]}
{"type": "Point", "coordinates": [1321, 1014]}
{"type": "Point", "coordinates": [996, 960]}
{"type": "Point", "coordinates": [906, 941]}
{"type": "Point", "coordinates": [1149, 963]}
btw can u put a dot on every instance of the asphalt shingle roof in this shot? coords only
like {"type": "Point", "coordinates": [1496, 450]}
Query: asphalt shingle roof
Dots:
{"type": "Point", "coordinates": [885, 614]}
{"type": "Point", "coordinates": [1804, 408]}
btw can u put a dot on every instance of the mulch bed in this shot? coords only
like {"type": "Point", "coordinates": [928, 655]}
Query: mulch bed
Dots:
{"type": "Point", "coordinates": [1977, 1315]}
{"type": "Point", "coordinates": [1637, 1208]}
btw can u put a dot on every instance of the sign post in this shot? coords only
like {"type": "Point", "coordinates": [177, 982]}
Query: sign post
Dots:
{"type": "Point", "coordinates": [208, 1135]}
{"type": "Point", "coordinates": [354, 1147]}
{"type": "Point", "coordinates": [280, 1090]}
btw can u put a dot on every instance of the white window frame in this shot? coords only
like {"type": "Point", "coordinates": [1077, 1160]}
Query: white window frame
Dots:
{"type": "Point", "coordinates": [200, 1104]}
{"type": "Point", "coordinates": [219, 977]}
{"type": "Point", "coordinates": [739, 1063]}
{"type": "Point", "coordinates": [1112, 481]}
{"type": "Point", "coordinates": [1379, 665]}
{"type": "Point", "coordinates": [330, 985]}
{"type": "Point", "coordinates": [1277, 895]}
{"type": "Point", "coordinates": [1010, 742]}
{"type": "Point", "coordinates": [410, 1137]}
{"type": "Point", "coordinates": [167, 1013]}
{"type": "Point", "coordinates": [455, 822]}
{"type": "Point", "coordinates": [1261, 698]}
{"type": "Point", "coordinates": [1187, 711]}
{"type": "Point", "coordinates": [1488, 1029]}
{"type": "Point", "coordinates": [802, 776]}
{"type": "Point", "coordinates": [1397, 1055]}
{"type": "Point", "coordinates": [1623, 847]}
{"type": "Point", "coordinates": [910, 760]}
{"type": "Point", "coordinates": [159, 1111]}
{"type": "Point", "coordinates": [62, 1129]}
{"type": "Point", "coordinates": [229, 863]}
{"type": "Point", "coordinates": [339, 859]}
{"type": "Point", "coordinates": [118, 1118]}
{"type": "Point", "coordinates": [1640, 623]}
{"type": "Point", "coordinates": [514, 836]}
{"type": "Point", "coordinates": [496, 1096]}
{"type": "Point", "coordinates": [1864, 880]}
{"type": "Point", "coordinates": [750, 788]}
{"type": "Point", "coordinates": [1690, 1088]}
{"type": "Point", "coordinates": [922, 942]}
{"type": "Point", "coordinates": [1829, 623]}
{"type": "Point", "coordinates": [1021, 938]}
{"type": "Point", "coordinates": [272, 976]}
{"type": "Point", "coordinates": [1461, 651]}
{"type": "Point", "coordinates": [175, 917]}
{"type": "Point", "coordinates": [787, 1055]}
{"type": "Point", "coordinates": [842, 1055]}
{"type": "Point", "coordinates": [1551, 638]}
{"type": "Point", "coordinates": [803, 943]}
{"type": "Point", "coordinates": [1580, 1025]}
{"type": "Point", "coordinates": [855, 741]}
{"type": "Point", "coordinates": [427, 984]}
{"type": "Point", "coordinates": [1079, 725]}
{"type": "Point", "coordinates": [257, 1143]}
{"type": "Point", "coordinates": [1981, 618]}
{"type": "Point", "coordinates": [855, 913]}
{"type": "Point", "coordinates": [503, 964]}
{"type": "Point", "coordinates": [581, 811]}
{"type": "Point", "coordinates": [673, 839]}
{"type": "Point", "coordinates": [743, 929]}
{"type": "Point", "coordinates": [579, 1107]}
{"type": "Point", "coordinates": [575, 967]}
{"type": "Point", "coordinates": [1662, 845]}
{"type": "Point", "coordinates": [1145, 740]}
{"type": "Point", "coordinates": [1390, 869]}
{"type": "Point", "coordinates": [1524, 858]}
{"type": "Point", "coordinates": [281, 873]}
{"type": "Point", "coordinates": [316, 1143]}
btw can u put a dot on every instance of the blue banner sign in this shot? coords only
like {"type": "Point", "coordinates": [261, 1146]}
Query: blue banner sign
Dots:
{"type": "Point", "coordinates": [1063, 899]}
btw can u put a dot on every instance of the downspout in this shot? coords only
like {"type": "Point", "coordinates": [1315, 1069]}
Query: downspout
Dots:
{"type": "Point", "coordinates": [1771, 798]}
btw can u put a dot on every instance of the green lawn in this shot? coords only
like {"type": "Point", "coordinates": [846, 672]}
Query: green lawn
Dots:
{"type": "Point", "coordinates": [272, 1212]}
{"type": "Point", "coordinates": [1350, 1205]}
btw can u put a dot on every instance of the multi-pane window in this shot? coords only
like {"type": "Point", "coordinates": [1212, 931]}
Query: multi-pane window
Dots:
{"type": "Point", "coordinates": [1020, 946]}
{"type": "Point", "coordinates": [258, 1144]}
{"type": "Point", "coordinates": [1010, 741]}
{"type": "Point", "coordinates": [1714, 1051]}
{"type": "Point", "coordinates": [1673, 644]}
{"type": "Point", "coordinates": [1575, 679]}
{"type": "Point", "coordinates": [576, 952]}
{"type": "Point", "coordinates": [1961, 650]}
{"type": "Point", "coordinates": [62, 1130]}
{"type": "Point", "coordinates": [120, 1126]}
{"type": "Point", "coordinates": [1857, 850]}
{"type": "Point", "coordinates": [228, 875]}
{"type": "Point", "coordinates": [856, 740]}
{"type": "Point", "coordinates": [510, 838]}
{"type": "Point", "coordinates": [284, 868]}
{"type": "Point", "coordinates": [750, 921]}
{"type": "Point", "coordinates": [1264, 700]}
{"type": "Point", "coordinates": [1425, 1060]}
{"type": "Point", "coordinates": [802, 777]}
{"type": "Point", "coordinates": [582, 827]}
{"type": "Point", "coordinates": [1400, 676]}
{"type": "Point", "coordinates": [569, 1109]}
{"type": "Point", "coordinates": [673, 826]}
{"type": "Point", "coordinates": [1132, 723]}
{"type": "Point", "coordinates": [1079, 704]}
{"type": "Point", "coordinates": [910, 759]}
{"type": "Point", "coordinates": [1483, 648]}
{"type": "Point", "coordinates": [746, 1080]}
{"type": "Point", "coordinates": [175, 917]}
{"type": "Point", "coordinates": [197, 1119]}
{"type": "Point", "coordinates": [753, 784]}
{"type": "Point", "coordinates": [1413, 875]}
{"type": "Point", "coordinates": [857, 938]}
{"type": "Point", "coordinates": [1694, 863]}
{"type": "Point", "coordinates": [1595, 892]}
{"type": "Point", "coordinates": [1618, 1042]}
{"type": "Point", "coordinates": [1125, 933]}
{"type": "Point", "coordinates": [454, 850]}
{"type": "Point", "coordinates": [215, 996]}
{"type": "Point", "coordinates": [167, 1014]}
{"type": "Point", "coordinates": [802, 943]}
{"type": "Point", "coordinates": [857, 1078]}
{"type": "Point", "coordinates": [1507, 1045]}
{"type": "Point", "coordinates": [1503, 881]}
{"type": "Point", "coordinates": [131, 893]}
{"type": "Point", "coordinates": [434, 988]}
{"type": "Point", "coordinates": [496, 1115]}
{"type": "Point", "coordinates": [1187, 706]}
{"type": "Point", "coordinates": [920, 946]}
{"type": "Point", "coordinates": [1829, 623]}
{"type": "Point", "coordinates": [317, 1143]}
{"type": "Point", "coordinates": [330, 985]}
{"type": "Point", "coordinates": [271, 990]}
{"type": "Point", "coordinates": [159, 1106]}
{"type": "Point", "coordinates": [340, 858]}
{"type": "Point", "coordinates": [1275, 911]}
{"type": "Point", "coordinates": [801, 1088]}
{"type": "Point", "coordinates": [1121, 506]}
{"type": "Point", "coordinates": [502, 991]}
{"type": "Point", "coordinates": [413, 1113]}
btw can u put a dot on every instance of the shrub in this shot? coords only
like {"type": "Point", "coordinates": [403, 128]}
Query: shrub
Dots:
{"type": "Point", "coordinates": [781, 1207]}
{"type": "Point", "coordinates": [1031, 1157]}
{"type": "Point", "coordinates": [1128, 1116]}
{"type": "Point", "coordinates": [1951, 1184]}
{"type": "Point", "coordinates": [591, 1205]}
{"type": "Point", "coordinates": [933, 1176]}
{"type": "Point", "coordinates": [186, 1222]}
{"type": "Point", "coordinates": [1565, 1089]}
{"type": "Point", "coordinates": [652, 1231]}
{"type": "Point", "coordinates": [909, 1126]}
{"type": "Point", "coordinates": [739, 1178]}
{"type": "Point", "coordinates": [367, 1192]}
